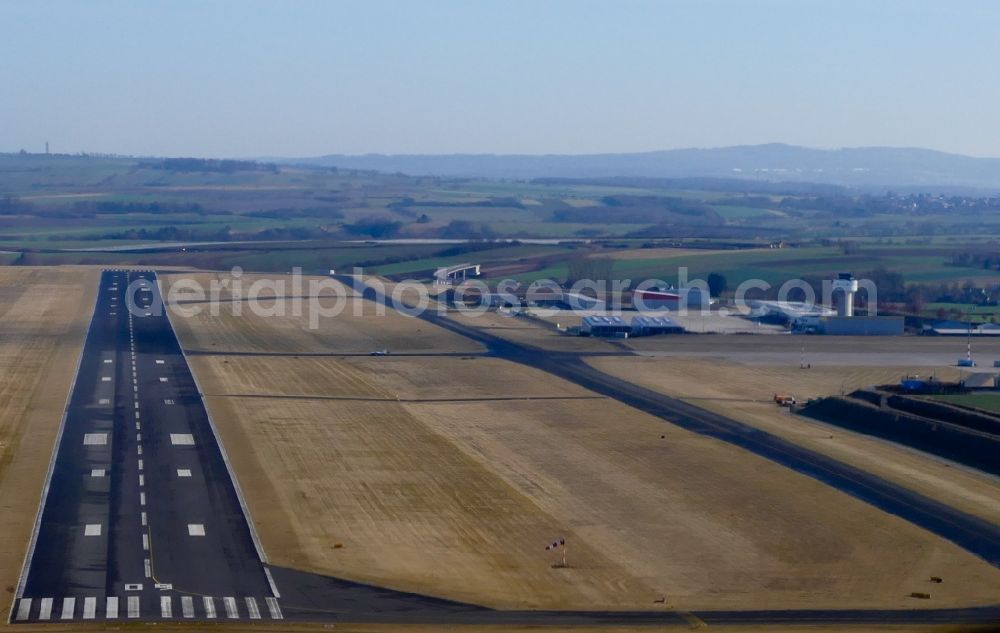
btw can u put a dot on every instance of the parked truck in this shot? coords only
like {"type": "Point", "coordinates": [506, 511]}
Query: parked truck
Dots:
{"type": "Point", "coordinates": [784, 400]}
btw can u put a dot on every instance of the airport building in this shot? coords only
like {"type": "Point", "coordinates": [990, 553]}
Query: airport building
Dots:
{"type": "Point", "coordinates": [564, 300]}
{"type": "Point", "coordinates": [613, 326]}
{"type": "Point", "coordinates": [860, 326]}
{"type": "Point", "coordinates": [616, 326]}
{"type": "Point", "coordinates": [671, 298]}
{"type": "Point", "coordinates": [653, 325]}
{"type": "Point", "coordinates": [812, 318]}
{"type": "Point", "coordinates": [789, 312]}
{"type": "Point", "coordinates": [958, 328]}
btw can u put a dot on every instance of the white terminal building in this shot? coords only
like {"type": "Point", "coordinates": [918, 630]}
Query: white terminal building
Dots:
{"type": "Point", "coordinates": [818, 319]}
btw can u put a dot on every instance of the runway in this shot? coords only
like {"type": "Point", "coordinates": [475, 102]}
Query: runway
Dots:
{"type": "Point", "coordinates": [140, 518]}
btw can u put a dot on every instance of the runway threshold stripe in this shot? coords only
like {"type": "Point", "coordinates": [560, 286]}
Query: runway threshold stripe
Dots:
{"type": "Point", "coordinates": [252, 608]}
{"type": "Point", "coordinates": [45, 610]}
{"type": "Point", "coordinates": [24, 609]}
{"type": "Point", "coordinates": [68, 608]}
{"type": "Point", "coordinates": [133, 606]}
{"type": "Point", "coordinates": [89, 608]}
{"type": "Point", "coordinates": [272, 606]}
{"type": "Point", "coordinates": [166, 607]}
{"type": "Point", "coordinates": [230, 605]}
{"type": "Point", "coordinates": [209, 607]}
{"type": "Point", "coordinates": [187, 606]}
{"type": "Point", "coordinates": [111, 608]}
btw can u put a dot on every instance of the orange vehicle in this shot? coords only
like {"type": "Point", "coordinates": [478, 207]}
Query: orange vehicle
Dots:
{"type": "Point", "coordinates": [784, 400]}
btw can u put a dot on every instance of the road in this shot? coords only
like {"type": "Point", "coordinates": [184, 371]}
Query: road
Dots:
{"type": "Point", "coordinates": [140, 517]}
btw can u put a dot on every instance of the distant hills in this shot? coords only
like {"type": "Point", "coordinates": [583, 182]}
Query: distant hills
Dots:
{"type": "Point", "coordinates": [860, 167]}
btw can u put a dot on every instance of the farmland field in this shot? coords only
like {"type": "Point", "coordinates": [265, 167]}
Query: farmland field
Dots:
{"type": "Point", "coordinates": [985, 401]}
{"type": "Point", "coordinates": [465, 465]}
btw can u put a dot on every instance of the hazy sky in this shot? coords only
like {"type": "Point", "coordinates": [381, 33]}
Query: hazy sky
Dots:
{"type": "Point", "coordinates": [246, 78]}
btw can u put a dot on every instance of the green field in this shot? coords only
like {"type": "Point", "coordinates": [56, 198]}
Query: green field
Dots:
{"type": "Point", "coordinates": [987, 402]}
{"type": "Point", "coordinates": [273, 219]}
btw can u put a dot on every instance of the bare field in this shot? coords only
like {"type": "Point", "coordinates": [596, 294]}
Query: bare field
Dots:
{"type": "Point", "coordinates": [527, 332]}
{"type": "Point", "coordinates": [44, 315]}
{"type": "Point", "coordinates": [744, 390]}
{"type": "Point", "coordinates": [656, 253]}
{"type": "Point", "coordinates": [831, 350]}
{"type": "Point", "coordinates": [458, 498]}
{"type": "Point", "coordinates": [357, 329]}
{"type": "Point", "coordinates": [385, 377]}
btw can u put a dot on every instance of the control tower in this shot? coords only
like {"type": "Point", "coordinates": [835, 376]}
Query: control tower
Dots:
{"type": "Point", "coordinates": [848, 285]}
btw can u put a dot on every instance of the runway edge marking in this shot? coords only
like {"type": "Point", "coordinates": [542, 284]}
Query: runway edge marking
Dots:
{"type": "Point", "coordinates": [30, 553]}
{"type": "Point", "coordinates": [218, 441]}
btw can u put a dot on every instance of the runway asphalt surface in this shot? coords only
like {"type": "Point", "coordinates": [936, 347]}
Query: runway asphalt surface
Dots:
{"type": "Point", "coordinates": [140, 517]}
{"type": "Point", "coordinates": [138, 475]}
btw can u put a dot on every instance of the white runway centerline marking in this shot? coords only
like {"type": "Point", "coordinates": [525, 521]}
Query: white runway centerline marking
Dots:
{"type": "Point", "coordinates": [107, 361]}
{"type": "Point", "coordinates": [163, 379]}
{"type": "Point", "coordinates": [148, 568]}
{"type": "Point", "coordinates": [141, 464]}
{"type": "Point", "coordinates": [183, 472]}
{"type": "Point", "coordinates": [145, 542]}
{"type": "Point", "coordinates": [92, 529]}
{"type": "Point", "coordinates": [105, 378]}
{"type": "Point", "coordinates": [142, 498]}
{"type": "Point", "coordinates": [142, 480]}
{"type": "Point", "coordinates": [97, 472]}
{"type": "Point", "coordinates": [182, 439]}
{"type": "Point", "coordinates": [196, 529]}
{"type": "Point", "coordinates": [95, 439]}
{"type": "Point", "coordinates": [142, 518]}
{"type": "Point", "coordinates": [104, 401]}
{"type": "Point", "coordinates": [159, 361]}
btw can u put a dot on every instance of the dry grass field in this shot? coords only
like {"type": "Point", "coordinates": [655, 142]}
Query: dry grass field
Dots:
{"type": "Point", "coordinates": [739, 381]}
{"type": "Point", "coordinates": [448, 475]}
{"type": "Point", "coordinates": [527, 331]}
{"type": "Point", "coordinates": [242, 330]}
{"type": "Point", "coordinates": [44, 315]}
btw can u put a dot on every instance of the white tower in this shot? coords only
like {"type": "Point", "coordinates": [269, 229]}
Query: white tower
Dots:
{"type": "Point", "coordinates": [847, 284]}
